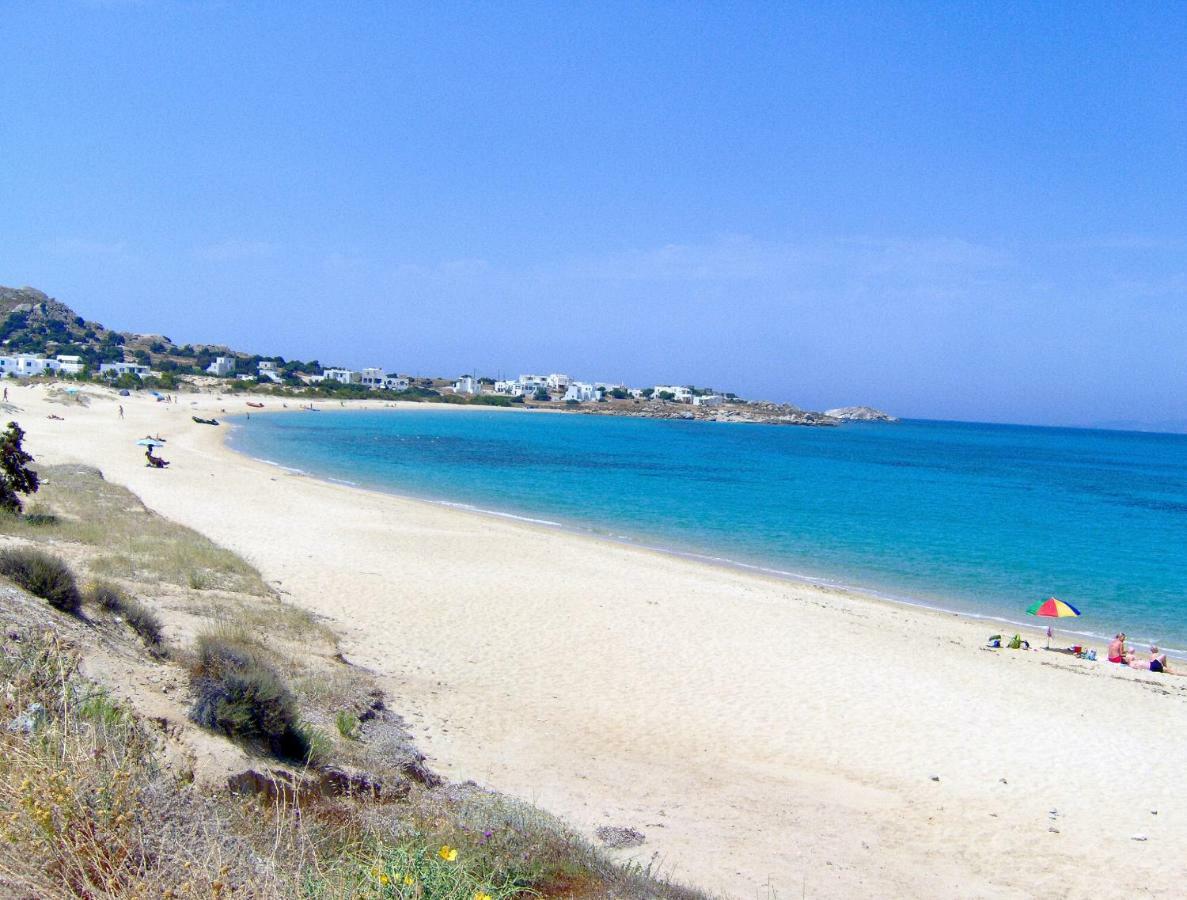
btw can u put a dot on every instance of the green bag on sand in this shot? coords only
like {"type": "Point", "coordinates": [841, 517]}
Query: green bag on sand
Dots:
{"type": "Point", "coordinates": [1015, 642]}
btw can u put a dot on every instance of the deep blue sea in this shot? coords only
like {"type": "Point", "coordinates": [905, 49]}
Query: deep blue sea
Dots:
{"type": "Point", "coordinates": [976, 518]}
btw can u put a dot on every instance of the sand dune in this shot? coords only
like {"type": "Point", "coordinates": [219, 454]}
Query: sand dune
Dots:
{"type": "Point", "coordinates": [759, 732]}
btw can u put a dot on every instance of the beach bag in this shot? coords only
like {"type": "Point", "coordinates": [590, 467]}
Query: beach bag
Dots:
{"type": "Point", "coordinates": [995, 641]}
{"type": "Point", "coordinates": [1015, 642]}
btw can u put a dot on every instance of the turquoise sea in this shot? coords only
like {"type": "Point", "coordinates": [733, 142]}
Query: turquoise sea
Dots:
{"type": "Point", "coordinates": [981, 519]}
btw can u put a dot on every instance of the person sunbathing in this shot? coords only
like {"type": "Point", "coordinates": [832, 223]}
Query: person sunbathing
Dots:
{"type": "Point", "coordinates": [1156, 662]}
{"type": "Point", "coordinates": [1118, 653]}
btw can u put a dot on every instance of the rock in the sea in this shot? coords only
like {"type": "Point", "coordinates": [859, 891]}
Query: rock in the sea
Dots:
{"type": "Point", "coordinates": [860, 414]}
{"type": "Point", "coordinates": [617, 838]}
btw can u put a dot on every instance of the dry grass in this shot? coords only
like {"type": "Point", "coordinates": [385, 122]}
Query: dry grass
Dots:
{"type": "Point", "coordinates": [132, 542]}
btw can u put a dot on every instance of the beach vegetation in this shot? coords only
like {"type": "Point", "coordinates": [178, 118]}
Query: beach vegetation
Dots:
{"type": "Point", "coordinates": [347, 724]}
{"type": "Point", "coordinates": [16, 477]}
{"type": "Point", "coordinates": [240, 695]}
{"type": "Point", "coordinates": [135, 544]}
{"type": "Point", "coordinates": [138, 616]}
{"type": "Point", "coordinates": [43, 575]}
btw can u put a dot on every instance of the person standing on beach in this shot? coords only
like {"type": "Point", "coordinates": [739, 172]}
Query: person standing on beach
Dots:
{"type": "Point", "coordinates": [6, 395]}
{"type": "Point", "coordinates": [121, 410]}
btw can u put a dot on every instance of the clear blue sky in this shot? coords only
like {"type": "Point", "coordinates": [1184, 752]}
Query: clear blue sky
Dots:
{"type": "Point", "coordinates": [948, 210]}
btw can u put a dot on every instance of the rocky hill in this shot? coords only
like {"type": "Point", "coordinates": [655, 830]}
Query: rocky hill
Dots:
{"type": "Point", "coordinates": [860, 414]}
{"type": "Point", "coordinates": [34, 322]}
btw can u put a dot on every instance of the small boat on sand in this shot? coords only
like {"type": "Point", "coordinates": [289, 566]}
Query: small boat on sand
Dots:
{"type": "Point", "coordinates": [255, 405]}
{"type": "Point", "coordinates": [204, 421]}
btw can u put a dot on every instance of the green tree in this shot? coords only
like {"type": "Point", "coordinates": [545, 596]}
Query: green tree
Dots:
{"type": "Point", "coordinates": [15, 476]}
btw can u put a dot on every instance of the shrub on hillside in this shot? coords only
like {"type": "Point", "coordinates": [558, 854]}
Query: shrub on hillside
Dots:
{"type": "Point", "coordinates": [240, 695]}
{"type": "Point", "coordinates": [139, 617]}
{"type": "Point", "coordinates": [39, 573]}
{"type": "Point", "coordinates": [106, 595]}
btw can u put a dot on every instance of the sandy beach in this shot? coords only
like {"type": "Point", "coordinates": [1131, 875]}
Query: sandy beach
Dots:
{"type": "Point", "coordinates": [766, 736]}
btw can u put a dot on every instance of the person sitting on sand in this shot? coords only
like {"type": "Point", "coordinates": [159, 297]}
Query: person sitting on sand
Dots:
{"type": "Point", "coordinates": [1117, 651]}
{"type": "Point", "coordinates": [155, 461]}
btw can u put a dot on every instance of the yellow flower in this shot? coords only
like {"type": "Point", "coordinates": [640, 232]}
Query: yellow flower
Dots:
{"type": "Point", "coordinates": [409, 880]}
{"type": "Point", "coordinates": [479, 895]}
{"type": "Point", "coordinates": [447, 853]}
{"type": "Point", "coordinates": [375, 871]}
{"type": "Point", "coordinates": [383, 879]}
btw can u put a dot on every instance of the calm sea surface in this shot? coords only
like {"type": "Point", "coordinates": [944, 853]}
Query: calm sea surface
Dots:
{"type": "Point", "coordinates": [977, 518]}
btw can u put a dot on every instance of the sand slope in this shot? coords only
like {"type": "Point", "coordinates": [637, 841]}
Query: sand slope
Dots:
{"type": "Point", "coordinates": [759, 732]}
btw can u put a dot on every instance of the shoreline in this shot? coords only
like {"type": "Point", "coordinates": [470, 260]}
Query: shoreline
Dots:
{"type": "Point", "coordinates": [758, 731]}
{"type": "Point", "coordinates": [869, 594]}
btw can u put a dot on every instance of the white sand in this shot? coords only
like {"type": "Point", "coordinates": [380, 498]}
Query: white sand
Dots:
{"type": "Point", "coordinates": [757, 731]}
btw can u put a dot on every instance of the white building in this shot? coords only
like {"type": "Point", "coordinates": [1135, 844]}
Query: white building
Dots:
{"type": "Point", "coordinates": [708, 400]}
{"type": "Point", "coordinates": [123, 368]}
{"type": "Point", "coordinates": [70, 365]}
{"type": "Point", "coordinates": [637, 393]}
{"type": "Point", "coordinates": [373, 378]}
{"type": "Point", "coordinates": [467, 384]}
{"type": "Point", "coordinates": [509, 388]}
{"type": "Point", "coordinates": [532, 383]}
{"type": "Point", "coordinates": [221, 367]}
{"type": "Point", "coordinates": [397, 383]}
{"type": "Point", "coordinates": [26, 365]}
{"type": "Point", "coordinates": [342, 376]}
{"type": "Point", "coordinates": [679, 394]}
{"type": "Point", "coordinates": [557, 382]}
{"type": "Point", "coordinates": [267, 369]}
{"type": "Point", "coordinates": [582, 391]}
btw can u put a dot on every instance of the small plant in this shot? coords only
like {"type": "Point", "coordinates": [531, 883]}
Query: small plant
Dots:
{"type": "Point", "coordinates": [348, 724]}
{"type": "Point", "coordinates": [15, 475]}
{"type": "Point", "coordinates": [139, 617]}
{"type": "Point", "coordinates": [106, 595]}
{"type": "Point", "coordinates": [39, 516]}
{"type": "Point", "coordinates": [46, 576]}
{"type": "Point", "coordinates": [239, 694]}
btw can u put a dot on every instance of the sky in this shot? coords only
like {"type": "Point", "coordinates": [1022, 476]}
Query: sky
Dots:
{"type": "Point", "coordinates": [947, 210]}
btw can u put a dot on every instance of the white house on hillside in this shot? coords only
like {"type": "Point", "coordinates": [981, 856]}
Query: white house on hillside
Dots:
{"type": "Point", "coordinates": [557, 382]}
{"type": "Point", "coordinates": [26, 365]}
{"type": "Point", "coordinates": [468, 385]}
{"type": "Point", "coordinates": [267, 369]}
{"type": "Point", "coordinates": [222, 366]}
{"type": "Point", "coordinates": [582, 392]}
{"type": "Point", "coordinates": [679, 394]}
{"type": "Point", "coordinates": [532, 383]}
{"type": "Point", "coordinates": [123, 368]}
{"type": "Point", "coordinates": [708, 400]}
{"type": "Point", "coordinates": [70, 365]}
{"type": "Point", "coordinates": [342, 376]}
{"type": "Point", "coordinates": [373, 378]}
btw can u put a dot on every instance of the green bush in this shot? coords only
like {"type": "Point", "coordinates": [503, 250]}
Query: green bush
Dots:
{"type": "Point", "coordinates": [46, 576]}
{"type": "Point", "coordinates": [240, 695]}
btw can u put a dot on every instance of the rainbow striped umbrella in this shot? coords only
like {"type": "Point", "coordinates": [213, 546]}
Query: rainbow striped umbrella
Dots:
{"type": "Point", "coordinates": [1053, 608]}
